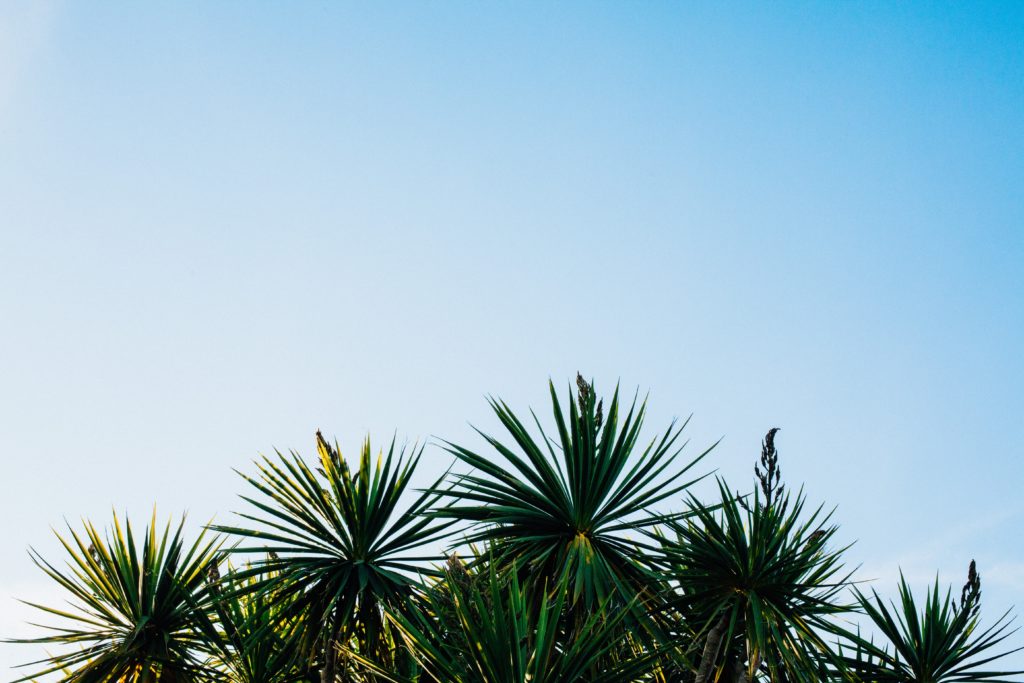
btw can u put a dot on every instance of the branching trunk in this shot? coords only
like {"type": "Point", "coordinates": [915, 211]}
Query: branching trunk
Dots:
{"type": "Point", "coordinates": [712, 645]}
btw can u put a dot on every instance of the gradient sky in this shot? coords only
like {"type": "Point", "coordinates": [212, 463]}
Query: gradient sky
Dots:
{"type": "Point", "coordinates": [226, 225]}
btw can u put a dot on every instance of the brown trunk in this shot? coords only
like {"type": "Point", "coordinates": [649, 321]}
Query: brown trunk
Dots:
{"type": "Point", "coordinates": [744, 673]}
{"type": "Point", "coordinates": [329, 673]}
{"type": "Point", "coordinates": [711, 647]}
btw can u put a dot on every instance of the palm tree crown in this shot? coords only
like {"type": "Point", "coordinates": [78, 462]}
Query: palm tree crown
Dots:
{"type": "Point", "coordinates": [564, 506]}
{"type": "Point", "coordinates": [338, 544]}
{"type": "Point", "coordinates": [139, 614]}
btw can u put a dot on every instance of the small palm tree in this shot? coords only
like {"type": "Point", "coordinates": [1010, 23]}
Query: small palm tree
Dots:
{"type": "Point", "coordinates": [497, 632]}
{"type": "Point", "coordinates": [252, 646]}
{"type": "Point", "coordinates": [941, 643]}
{"type": "Point", "coordinates": [756, 583]}
{"type": "Point", "coordinates": [139, 615]}
{"type": "Point", "coordinates": [339, 546]}
{"type": "Point", "coordinates": [566, 506]}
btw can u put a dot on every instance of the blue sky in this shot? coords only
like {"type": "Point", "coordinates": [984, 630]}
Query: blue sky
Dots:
{"type": "Point", "coordinates": [223, 226]}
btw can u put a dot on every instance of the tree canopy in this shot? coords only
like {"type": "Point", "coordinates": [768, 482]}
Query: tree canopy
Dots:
{"type": "Point", "coordinates": [572, 550]}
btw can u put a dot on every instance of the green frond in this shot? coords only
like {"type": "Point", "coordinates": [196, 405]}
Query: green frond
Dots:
{"type": "Point", "coordinates": [569, 505]}
{"type": "Point", "coordinates": [339, 543]}
{"type": "Point", "coordinates": [137, 613]}
{"type": "Point", "coordinates": [934, 643]}
{"type": "Point", "coordinates": [762, 578]}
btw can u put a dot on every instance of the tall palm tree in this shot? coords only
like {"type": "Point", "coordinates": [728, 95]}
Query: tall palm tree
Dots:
{"type": "Point", "coordinates": [339, 546]}
{"type": "Point", "coordinates": [138, 615]}
{"type": "Point", "coordinates": [567, 506]}
{"type": "Point", "coordinates": [938, 643]}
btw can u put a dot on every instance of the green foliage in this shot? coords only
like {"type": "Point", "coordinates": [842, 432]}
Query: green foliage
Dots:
{"type": "Point", "coordinates": [137, 615]}
{"type": "Point", "coordinates": [502, 634]}
{"type": "Point", "coordinates": [251, 646]}
{"type": "Point", "coordinates": [578, 577]}
{"type": "Point", "coordinates": [939, 643]}
{"type": "Point", "coordinates": [338, 543]}
{"type": "Point", "coordinates": [757, 582]}
{"type": "Point", "coordinates": [566, 506]}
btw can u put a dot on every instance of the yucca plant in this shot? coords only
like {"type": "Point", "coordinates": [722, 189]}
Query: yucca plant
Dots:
{"type": "Point", "coordinates": [137, 615]}
{"type": "Point", "coordinates": [501, 633]}
{"type": "Point", "coordinates": [572, 574]}
{"type": "Point", "coordinates": [939, 643]}
{"type": "Point", "coordinates": [339, 545]}
{"type": "Point", "coordinates": [567, 506]}
{"type": "Point", "coordinates": [252, 644]}
{"type": "Point", "coordinates": [756, 583]}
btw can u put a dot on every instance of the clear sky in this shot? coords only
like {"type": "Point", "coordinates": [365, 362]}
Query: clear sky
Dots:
{"type": "Point", "coordinates": [225, 225]}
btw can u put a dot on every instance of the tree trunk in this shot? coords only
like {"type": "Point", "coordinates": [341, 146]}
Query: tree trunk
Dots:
{"type": "Point", "coordinates": [711, 647]}
{"type": "Point", "coordinates": [744, 673]}
{"type": "Point", "coordinates": [330, 671]}
{"type": "Point", "coordinates": [740, 675]}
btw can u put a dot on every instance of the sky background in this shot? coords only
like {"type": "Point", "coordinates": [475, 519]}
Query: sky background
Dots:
{"type": "Point", "coordinates": [225, 225]}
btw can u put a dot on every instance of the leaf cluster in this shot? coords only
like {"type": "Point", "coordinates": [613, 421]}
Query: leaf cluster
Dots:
{"type": "Point", "coordinates": [573, 571]}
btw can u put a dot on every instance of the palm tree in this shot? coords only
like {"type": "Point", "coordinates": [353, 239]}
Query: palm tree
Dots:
{"type": "Point", "coordinates": [572, 575]}
{"type": "Point", "coordinates": [137, 616]}
{"type": "Point", "coordinates": [252, 646]}
{"type": "Point", "coordinates": [499, 633]}
{"type": "Point", "coordinates": [566, 506]}
{"type": "Point", "coordinates": [941, 643]}
{"type": "Point", "coordinates": [338, 546]}
{"type": "Point", "coordinates": [756, 583]}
